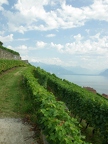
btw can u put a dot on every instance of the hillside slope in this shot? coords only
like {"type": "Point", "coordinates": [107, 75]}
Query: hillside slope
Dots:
{"type": "Point", "coordinates": [12, 109]}
{"type": "Point", "coordinates": [13, 95]}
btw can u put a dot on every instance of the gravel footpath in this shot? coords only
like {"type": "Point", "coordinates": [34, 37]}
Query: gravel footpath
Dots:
{"type": "Point", "coordinates": [13, 131]}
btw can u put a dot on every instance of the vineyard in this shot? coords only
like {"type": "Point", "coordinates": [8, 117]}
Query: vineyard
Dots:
{"type": "Point", "coordinates": [59, 104]}
{"type": "Point", "coordinates": [8, 64]}
{"type": "Point", "coordinates": [86, 105]}
{"type": "Point", "coordinates": [53, 117]}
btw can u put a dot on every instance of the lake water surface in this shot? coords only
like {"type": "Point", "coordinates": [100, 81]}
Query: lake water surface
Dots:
{"type": "Point", "coordinates": [99, 83]}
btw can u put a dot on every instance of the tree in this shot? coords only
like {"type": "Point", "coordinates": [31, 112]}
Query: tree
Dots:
{"type": "Point", "coordinates": [1, 43]}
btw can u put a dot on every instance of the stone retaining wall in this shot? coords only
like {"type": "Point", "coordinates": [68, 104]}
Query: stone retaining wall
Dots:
{"type": "Point", "coordinates": [8, 55]}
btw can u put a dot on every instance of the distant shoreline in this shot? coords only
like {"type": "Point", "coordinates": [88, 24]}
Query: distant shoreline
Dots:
{"type": "Point", "coordinates": [97, 82]}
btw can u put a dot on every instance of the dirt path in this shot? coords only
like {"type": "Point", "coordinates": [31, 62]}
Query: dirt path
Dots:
{"type": "Point", "coordinates": [12, 129]}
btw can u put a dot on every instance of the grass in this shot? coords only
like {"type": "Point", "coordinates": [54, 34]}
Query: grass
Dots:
{"type": "Point", "coordinates": [12, 93]}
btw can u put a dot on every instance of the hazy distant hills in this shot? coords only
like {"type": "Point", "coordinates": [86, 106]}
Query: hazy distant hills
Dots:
{"type": "Point", "coordinates": [104, 73]}
{"type": "Point", "coordinates": [64, 70]}
{"type": "Point", "coordinates": [53, 68]}
{"type": "Point", "coordinates": [81, 70]}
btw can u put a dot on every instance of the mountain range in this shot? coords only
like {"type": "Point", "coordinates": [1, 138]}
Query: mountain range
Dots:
{"type": "Point", "coordinates": [104, 73]}
{"type": "Point", "coordinates": [53, 68]}
{"type": "Point", "coordinates": [65, 70]}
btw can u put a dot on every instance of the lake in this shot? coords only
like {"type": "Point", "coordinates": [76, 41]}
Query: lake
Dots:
{"type": "Point", "coordinates": [99, 83]}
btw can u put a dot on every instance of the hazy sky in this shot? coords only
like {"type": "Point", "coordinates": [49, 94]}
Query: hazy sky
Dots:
{"type": "Point", "coordinates": [62, 32]}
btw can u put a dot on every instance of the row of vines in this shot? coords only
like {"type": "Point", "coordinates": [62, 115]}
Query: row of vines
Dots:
{"type": "Point", "coordinates": [8, 64]}
{"type": "Point", "coordinates": [52, 116]}
{"type": "Point", "coordinates": [86, 105]}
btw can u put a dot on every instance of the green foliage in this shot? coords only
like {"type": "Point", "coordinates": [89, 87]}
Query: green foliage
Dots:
{"type": "Point", "coordinates": [1, 43]}
{"type": "Point", "coordinates": [9, 50]}
{"type": "Point", "coordinates": [53, 117]}
{"type": "Point", "coordinates": [7, 64]}
{"type": "Point", "coordinates": [88, 106]}
{"type": "Point", "coordinates": [42, 77]}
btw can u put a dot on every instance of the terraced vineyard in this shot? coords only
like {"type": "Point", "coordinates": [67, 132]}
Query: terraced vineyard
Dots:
{"type": "Point", "coordinates": [59, 121]}
{"type": "Point", "coordinates": [83, 104]}
{"type": "Point", "coordinates": [53, 117]}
